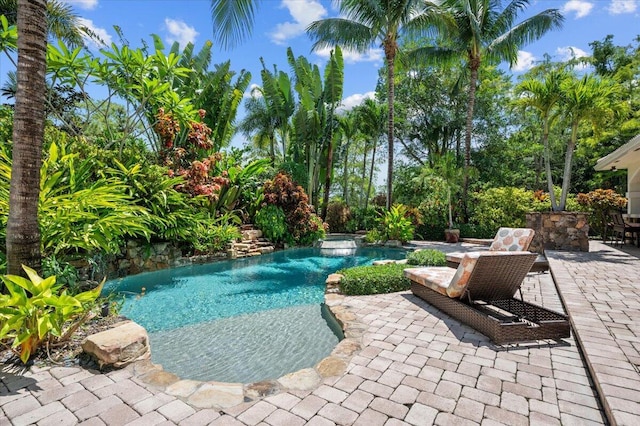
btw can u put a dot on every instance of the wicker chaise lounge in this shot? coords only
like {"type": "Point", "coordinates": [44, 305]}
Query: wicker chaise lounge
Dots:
{"type": "Point", "coordinates": [507, 239]}
{"type": "Point", "coordinates": [480, 294]}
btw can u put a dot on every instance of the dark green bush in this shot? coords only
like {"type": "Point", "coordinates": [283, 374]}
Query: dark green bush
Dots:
{"type": "Point", "coordinates": [374, 279]}
{"type": "Point", "coordinates": [338, 214]}
{"type": "Point", "coordinates": [427, 257]}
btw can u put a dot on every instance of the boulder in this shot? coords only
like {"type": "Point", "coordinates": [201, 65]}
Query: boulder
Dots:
{"type": "Point", "coordinates": [119, 346]}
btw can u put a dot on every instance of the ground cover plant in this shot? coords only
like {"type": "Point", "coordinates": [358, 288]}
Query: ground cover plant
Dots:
{"type": "Point", "coordinates": [427, 257]}
{"type": "Point", "coordinates": [374, 279]}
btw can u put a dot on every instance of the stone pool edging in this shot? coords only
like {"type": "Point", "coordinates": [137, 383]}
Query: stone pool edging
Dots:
{"type": "Point", "coordinates": [221, 395]}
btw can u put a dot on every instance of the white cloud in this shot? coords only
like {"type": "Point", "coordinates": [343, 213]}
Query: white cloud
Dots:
{"type": "Point", "coordinates": [100, 32]}
{"type": "Point", "coordinates": [618, 7]}
{"type": "Point", "coordinates": [570, 52]}
{"type": "Point", "coordinates": [354, 100]}
{"type": "Point", "coordinates": [83, 4]}
{"type": "Point", "coordinates": [580, 7]}
{"type": "Point", "coordinates": [253, 92]}
{"type": "Point", "coordinates": [524, 62]}
{"type": "Point", "coordinates": [351, 57]}
{"type": "Point", "coordinates": [179, 31]}
{"type": "Point", "coordinates": [303, 12]}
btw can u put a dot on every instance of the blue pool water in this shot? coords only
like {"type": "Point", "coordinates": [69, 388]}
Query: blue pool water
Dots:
{"type": "Point", "coordinates": [243, 320]}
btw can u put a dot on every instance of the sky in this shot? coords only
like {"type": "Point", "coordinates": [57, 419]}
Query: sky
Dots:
{"type": "Point", "coordinates": [282, 23]}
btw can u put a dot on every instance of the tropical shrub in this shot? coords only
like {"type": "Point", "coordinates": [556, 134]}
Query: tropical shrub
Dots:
{"type": "Point", "coordinates": [427, 257]}
{"type": "Point", "coordinates": [600, 202]}
{"type": "Point", "coordinates": [303, 225]}
{"type": "Point", "coordinates": [273, 223]}
{"type": "Point", "coordinates": [498, 207]}
{"type": "Point", "coordinates": [214, 234]}
{"type": "Point", "coordinates": [38, 310]}
{"type": "Point", "coordinates": [78, 212]}
{"type": "Point", "coordinates": [374, 279]}
{"type": "Point", "coordinates": [396, 225]}
{"type": "Point", "coordinates": [338, 215]}
{"type": "Point", "coordinates": [315, 230]}
{"type": "Point", "coordinates": [363, 219]}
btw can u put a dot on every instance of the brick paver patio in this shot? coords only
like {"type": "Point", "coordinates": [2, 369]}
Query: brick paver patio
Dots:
{"type": "Point", "coordinates": [417, 366]}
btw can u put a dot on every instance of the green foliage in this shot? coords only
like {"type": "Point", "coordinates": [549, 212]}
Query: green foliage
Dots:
{"type": "Point", "coordinates": [427, 257]}
{"type": "Point", "coordinates": [600, 202]}
{"type": "Point", "coordinates": [65, 273]}
{"type": "Point", "coordinates": [498, 207]}
{"type": "Point", "coordinates": [303, 226]}
{"type": "Point", "coordinates": [37, 310]}
{"type": "Point", "coordinates": [78, 212]}
{"type": "Point", "coordinates": [338, 215]}
{"type": "Point", "coordinates": [374, 279]}
{"type": "Point", "coordinates": [396, 225]}
{"type": "Point", "coordinates": [362, 218]}
{"type": "Point", "coordinates": [272, 221]}
{"type": "Point", "coordinates": [213, 235]}
{"type": "Point", "coordinates": [315, 230]}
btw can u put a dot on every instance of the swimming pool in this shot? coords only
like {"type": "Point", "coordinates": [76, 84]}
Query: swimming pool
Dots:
{"type": "Point", "coordinates": [242, 320]}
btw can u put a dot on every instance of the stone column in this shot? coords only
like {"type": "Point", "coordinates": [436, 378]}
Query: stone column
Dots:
{"type": "Point", "coordinates": [559, 231]}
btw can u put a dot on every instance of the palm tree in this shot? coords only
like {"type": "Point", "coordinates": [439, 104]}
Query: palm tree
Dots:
{"type": "Point", "coordinates": [543, 96]}
{"type": "Point", "coordinates": [591, 99]}
{"type": "Point", "coordinates": [23, 234]}
{"type": "Point", "coordinates": [367, 23]}
{"type": "Point", "coordinates": [371, 124]}
{"type": "Point", "coordinates": [259, 125]}
{"type": "Point", "coordinates": [484, 32]}
{"type": "Point", "coordinates": [348, 129]}
{"type": "Point", "coordinates": [233, 20]}
{"type": "Point", "coordinates": [62, 22]}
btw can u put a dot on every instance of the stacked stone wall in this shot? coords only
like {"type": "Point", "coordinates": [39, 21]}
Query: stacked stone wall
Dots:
{"type": "Point", "coordinates": [559, 231]}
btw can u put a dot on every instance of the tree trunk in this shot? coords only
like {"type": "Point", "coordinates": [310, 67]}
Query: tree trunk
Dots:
{"type": "Point", "coordinates": [327, 180]}
{"type": "Point", "coordinates": [547, 163]}
{"type": "Point", "coordinates": [345, 191]}
{"type": "Point", "coordinates": [390, 54]}
{"type": "Point", "coordinates": [23, 233]}
{"type": "Point", "coordinates": [373, 163]}
{"type": "Point", "coordinates": [566, 178]}
{"type": "Point", "coordinates": [364, 175]}
{"type": "Point", "coordinates": [474, 64]}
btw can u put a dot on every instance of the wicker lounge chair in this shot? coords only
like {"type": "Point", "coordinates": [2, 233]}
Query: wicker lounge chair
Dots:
{"type": "Point", "coordinates": [480, 294]}
{"type": "Point", "coordinates": [507, 239]}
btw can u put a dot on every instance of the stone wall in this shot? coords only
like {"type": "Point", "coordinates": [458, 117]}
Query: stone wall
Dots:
{"type": "Point", "coordinates": [141, 256]}
{"type": "Point", "coordinates": [559, 231]}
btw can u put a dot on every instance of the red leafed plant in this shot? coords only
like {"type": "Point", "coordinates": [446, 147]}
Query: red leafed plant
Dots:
{"type": "Point", "coordinates": [302, 223]}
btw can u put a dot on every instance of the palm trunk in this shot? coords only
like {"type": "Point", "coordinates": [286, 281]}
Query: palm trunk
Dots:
{"type": "Point", "coordinates": [23, 233]}
{"type": "Point", "coordinates": [364, 175]}
{"type": "Point", "coordinates": [373, 162]}
{"type": "Point", "coordinates": [390, 54]}
{"type": "Point", "coordinates": [473, 65]}
{"type": "Point", "coordinates": [566, 178]}
{"type": "Point", "coordinates": [327, 180]}
{"type": "Point", "coordinates": [345, 191]}
{"type": "Point", "coordinates": [547, 163]}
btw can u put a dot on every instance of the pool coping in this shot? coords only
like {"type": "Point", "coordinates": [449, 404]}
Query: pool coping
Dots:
{"type": "Point", "coordinates": [222, 395]}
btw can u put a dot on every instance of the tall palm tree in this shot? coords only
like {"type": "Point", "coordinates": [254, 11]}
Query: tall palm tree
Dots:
{"type": "Point", "coordinates": [367, 23]}
{"type": "Point", "coordinates": [371, 124]}
{"type": "Point", "coordinates": [587, 99]}
{"type": "Point", "coordinates": [62, 22]}
{"type": "Point", "coordinates": [543, 95]}
{"type": "Point", "coordinates": [23, 234]}
{"type": "Point", "coordinates": [259, 125]}
{"type": "Point", "coordinates": [486, 32]}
